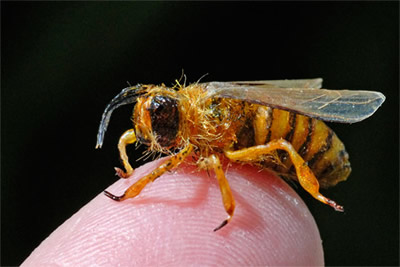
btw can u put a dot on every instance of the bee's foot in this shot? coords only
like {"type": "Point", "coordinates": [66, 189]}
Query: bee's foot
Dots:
{"type": "Point", "coordinates": [114, 197]}
{"type": "Point", "coordinates": [120, 173]}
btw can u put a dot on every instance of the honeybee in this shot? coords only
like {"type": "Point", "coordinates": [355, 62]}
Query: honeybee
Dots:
{"type": "Point", "coordinates": [271, 124]}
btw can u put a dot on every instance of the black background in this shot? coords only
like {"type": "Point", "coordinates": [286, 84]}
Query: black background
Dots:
{"type": "Point", "coordinates": [63, 61]}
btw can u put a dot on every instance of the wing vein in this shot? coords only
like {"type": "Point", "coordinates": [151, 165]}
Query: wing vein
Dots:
{"type": "Point", "coordinates": [345, 106]}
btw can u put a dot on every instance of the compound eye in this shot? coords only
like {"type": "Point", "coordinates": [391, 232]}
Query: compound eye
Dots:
{"type": "Point", "coordinates": [164, 116]}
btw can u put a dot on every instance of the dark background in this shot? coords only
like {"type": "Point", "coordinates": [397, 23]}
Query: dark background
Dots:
{"type": "Point", "coordinates": [62, 62]}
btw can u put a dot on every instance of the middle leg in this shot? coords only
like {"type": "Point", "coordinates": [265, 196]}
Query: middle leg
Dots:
{"type": "Point", "coordinates": [227, 197]}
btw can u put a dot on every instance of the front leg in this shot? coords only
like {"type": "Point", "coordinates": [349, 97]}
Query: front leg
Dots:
{"type": "Point", "coordinates": [137, 187]}
{"type": "Point", "coordinates": [126, 138]}
{"type": "Point", "coordinates": [305, 176]}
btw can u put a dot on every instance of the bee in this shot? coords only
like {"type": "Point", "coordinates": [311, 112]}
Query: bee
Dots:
{"type": "Point", "coordinates": [274, 124]}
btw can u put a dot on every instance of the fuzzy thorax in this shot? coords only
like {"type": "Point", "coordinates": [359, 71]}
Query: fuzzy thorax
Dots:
{"type": "Point", "coordinates": [209, 124]}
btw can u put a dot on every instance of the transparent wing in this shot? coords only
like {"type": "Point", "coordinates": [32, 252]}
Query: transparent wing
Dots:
{"type": "Point", "coordinates": [299, 83]}
{"type": "Point", "coordinates": [329, 105]}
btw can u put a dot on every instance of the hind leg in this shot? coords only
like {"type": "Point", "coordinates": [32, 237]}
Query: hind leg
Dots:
{"type": "Point", "coordinates": [305, 176]}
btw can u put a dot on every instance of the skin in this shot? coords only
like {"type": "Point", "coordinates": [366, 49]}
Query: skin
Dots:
{"type": "Point", "coordinates": [171, 224]}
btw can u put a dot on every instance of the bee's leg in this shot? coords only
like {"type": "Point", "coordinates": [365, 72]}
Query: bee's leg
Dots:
{"type": "Point", "coordinates": [304, 174]}
{"type": "Point", "coordinates": [137, 187]}
{"type": "Point", "coordinates": [227, 197]}
{"type": "Point", "coordinates": [126, 138]}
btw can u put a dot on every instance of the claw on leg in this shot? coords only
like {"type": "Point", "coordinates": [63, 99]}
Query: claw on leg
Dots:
{"type": "Point", "coordinates": [114, 197]}
{"type": "Point", "coordinates": [120, 173]}
{"type": "Point", "coordinates": [225, 222]}
{"type": "Point", "coordinates": [330, 202]}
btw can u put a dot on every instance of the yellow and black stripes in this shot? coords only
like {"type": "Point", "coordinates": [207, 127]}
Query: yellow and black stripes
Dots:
{"type": "Point", "coordinates": [304, 148]}
{"type": "Point", "coordinates": [292, 125]}
{"type": "Point", "coordinates": [324, 147]}
{"type": "Point", "coordinates": [315, 142]}
{"type": "Point", "coordinates": [334, 166]}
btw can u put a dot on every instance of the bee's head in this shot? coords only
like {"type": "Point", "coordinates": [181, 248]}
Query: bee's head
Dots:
{"type": "Point", "coordinates": [156, 119]}
{"type": "Point", "coordinates": [156, 115]}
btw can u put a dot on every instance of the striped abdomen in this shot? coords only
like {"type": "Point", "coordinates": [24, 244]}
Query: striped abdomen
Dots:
{"type": "Point", "coordinates": [317, 144]}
